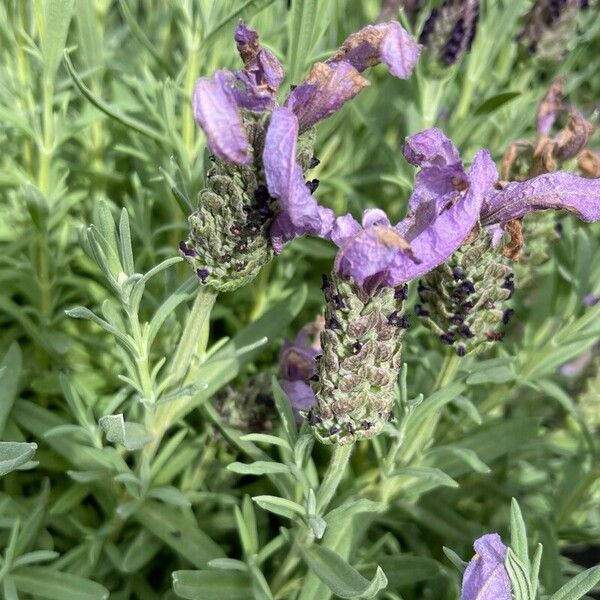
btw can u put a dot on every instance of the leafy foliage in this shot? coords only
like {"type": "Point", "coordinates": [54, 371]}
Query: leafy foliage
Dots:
{"type": "Point", "coordinates": [119, 475]}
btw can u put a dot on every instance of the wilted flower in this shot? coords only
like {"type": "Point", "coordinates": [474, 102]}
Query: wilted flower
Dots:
{"type": "Point", "coordinates": [450, 29]}
{"type": "Point", "coordinates": [299, 365]}
{"type": "Point", "coordinates": [462, 300]}
{"type": "Point", "coordinates": [256, 189]}
{"type": "Point", "coordinates": [588, 162]}
{"type": "Point", "coordinates": [486, 577]}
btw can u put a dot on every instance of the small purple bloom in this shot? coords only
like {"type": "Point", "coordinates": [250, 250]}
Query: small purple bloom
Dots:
{"type": "Point", "coordinates": [300, 212]}
{"type": "Point", "coordinates": [216, 111]}
{"type": "Point", "coordinates": [386, 43]}
{"type": "Point", "coordinates": [559, 191]}
{"type": "Point", "coordinates": [298, 366]}
{"type": "Point", "coordinates": [486, 577]}
{"type": "Point", "coordinates": [326, 89]}
{"type": "Point", "coordinates": [442, 216]}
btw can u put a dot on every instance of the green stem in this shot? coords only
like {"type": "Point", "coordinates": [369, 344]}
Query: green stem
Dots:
{"type": "Point", "coordinates": [448, 371]}
{"type": "Point", "coordinates": [333, 476]}
{"type": "Point", "coordinates": [188, 343]}
{"type": "Point", "coordinates": [465, 100]}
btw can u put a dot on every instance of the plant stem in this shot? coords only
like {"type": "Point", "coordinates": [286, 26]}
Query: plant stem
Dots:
{"type": "Point", "coordinates": [333, 476]}
{"type": "Point", "coordinates": [188, 343]}
{"type": "Point", "coordinates": [447, 372]}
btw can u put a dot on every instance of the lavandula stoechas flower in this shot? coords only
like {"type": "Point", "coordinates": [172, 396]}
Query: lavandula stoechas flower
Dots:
{"type": "Point", "coordinates": [524, 159]}
{"type": "Point", "coordinates": [548, 28]}
{"type": "Point", "coordinates": [299, 365]}
{"type": "Point", "coordinates": [486, 577]}
{"type": "Point", "coordinates": [364, 320]}
{"type": "Point", "coordinates": [463, 299]}
{"type": "Point", "coordinates": [450, 29]}
{"type": "Point", "coordinates": [257, 197]}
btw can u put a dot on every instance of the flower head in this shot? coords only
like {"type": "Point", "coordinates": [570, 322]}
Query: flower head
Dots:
{"type": "Point", "coordinates": [486, 577]}
{"type": "Point", "coordinates": [444, 209]}
{"type": "Point", "coordinates": [225, 103]}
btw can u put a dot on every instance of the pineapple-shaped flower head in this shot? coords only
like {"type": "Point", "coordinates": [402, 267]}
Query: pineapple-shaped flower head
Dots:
{"type": "Point", "coordinates": [257, 197]}
{"type": "Point", "coordinates": [354, 384]}
{"type": "Point", "coordinates": [449, 30]}
{"type": "Point", "coordinates": [464, 300]}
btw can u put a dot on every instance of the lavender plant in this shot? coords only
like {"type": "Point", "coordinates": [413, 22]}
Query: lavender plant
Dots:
{"type": "Point", "coordinates": [159, 438]}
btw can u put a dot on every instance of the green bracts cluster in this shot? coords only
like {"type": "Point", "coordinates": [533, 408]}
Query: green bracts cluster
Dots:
{"type": "Point", "coordinates": [464, 300]}
{"type": "Point", "coordinates": [356, 374]}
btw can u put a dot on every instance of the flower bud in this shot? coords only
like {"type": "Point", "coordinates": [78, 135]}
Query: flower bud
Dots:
{"type": "Point", "coordinates": [549, 27]}
{"type": "Point", "coordinates": [356, 373]}
{"type": "Point", "coordinates": [450, 29]}
{"type": "Point", "coordinates": [486, 577]}
{"type": "Point", "coordinates": [464, 301]}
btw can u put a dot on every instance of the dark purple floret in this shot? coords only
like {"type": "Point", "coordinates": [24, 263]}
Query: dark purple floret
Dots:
{"type": "Point", "coordinates": [428, 27]}
{"type": "Point", "coordinates": [312, 185]}
{"type": "Point", "coordinates": [466, 332]}
{"type": "Point", "coordinates": [401, 293]}
{"type": "Point", "coordinates": [337, 301]}
{"type": "Point", "coordinates": [325, 283]}
{"type": "Point", "coordinates": [313, 419]}
{"type": "Point", "coordinates": [461, 350]}
{"type": "Point", "coordinates": [185, 250]}
{"type": "Point", "coordinates": [315, 377]}
{"type": "Point", "coordinates": [261, 194]}
{"type": "Point", "coordinates": [506, 316]}
{"type": "Point", "coordinates": [202, 274]}
{"type": "Point", "coordinates": [356, 348]}
{"type": "Point", "coordinates": [420, 311]}
{"type": "Point", "coordinates": [235, 230]}
{"type": "Point", "coordinates": [314, 162]}
{"type": "Point", "coordinates": [333, 323]}
{"type": "Point", "coordinates": [457, 296]}
{"type": "Point", "coordinates": [241, 246]}
{"type": "Point", "coordinates": [448, 338]}
{"type": "Point", "coordinates": [334, 429]}
{"type": "Point", "coordinates": [458, 273]}
{"type": "Point", "coordinates": [467, 287]}
{"type": "Point", "coordinates": [457, 319]}
{"type": "Point", "coordinates": [558, 227]}
{"type": "Point", "coordinates": [468, 305]}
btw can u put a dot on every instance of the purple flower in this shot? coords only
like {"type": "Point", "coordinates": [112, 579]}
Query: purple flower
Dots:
{"type": "Point", "coordinates": [219, 101]}
{"type": "Point", "coordinates": [298, 366]}
{"type": "Point", "coordinates": [300, 212]}
{"type": "Point", "coordinates": [445, 208]}
{"type": "Point", "coordinates": [442, 171]}
{"type": "Point", "coordinates": [486, 577]}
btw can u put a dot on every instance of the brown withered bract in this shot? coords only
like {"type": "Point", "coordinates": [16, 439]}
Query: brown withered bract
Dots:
{"type": "Point", "coordinates": [512, 249]}
{"type": "Point", "coordinates": [588, 162]}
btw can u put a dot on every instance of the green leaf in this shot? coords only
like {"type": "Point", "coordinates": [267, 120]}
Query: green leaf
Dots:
{"type": "Point", "coordinates": [437, 476]}
{"type": "Point", "coordinates": [265, 438]}
{"type": "Point", "coordinates": [111, 111]}
{"type": "Point", "coordinates": [340, 577]}
{"type": "Point", "coordinates": [466, 454]}
{"type": "Point", "coordinates": [517, 572]}
{"type": "Point", "coordinates": [47, 583]}
{"type": "Point", "coordinates": [347, 510]}
{"type": "Point", "coordinates": [279, 506]}
{"type": "Point", "coordinates": [228, 564]}
{"type": "Point", "coordinates": [579, 586]}
{"type": "Point", "coordinates": [403, 570]}
{"type": "Point", "coordinates": [169, 495]}
{"type": "Point", "coordinates": [10, 372]}
{"type": "Point", "coordinates": [518, 534]}
{"type": "Point", "coordinates": [300, 33]}
{"type": "Point", "coordinates": [284, 408]}
{"type": "Point", "coordinates": [455, 559]}
{"type": "Point", "coordinates": [57, 17]}
{"type": "Point", "coordinates": [259, 467]}
{"type": "Point", "coordinates": [142, 549]}
{"type": "Point", "coordinates": [495, 102]}
{"type": "Point", "coordinates": [243, 10]}
{"type": "Point", "coordinates": [212, 585]}
{"type": "Point", "coordinates": [14, 455]}
{"type": "Point", "coordinates": [132, 436]}
{"type": "Point", "coordinates": [178, 531]}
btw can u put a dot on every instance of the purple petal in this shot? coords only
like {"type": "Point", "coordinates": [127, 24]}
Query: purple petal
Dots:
{"type": "Point", "coordinates": [558, 191]}
{"type": "Point", "coordinates": [326, 89]}
{"type": "Point", "coordinates": [486, 577]}
{"type": "Point", "coordinates": [433, 242]}
{"type": "Point", "coordinates": [262, 74]}
{"type": "Point", "coordinates": [298, 362]}
{"type": "Point", "coordinates": [216, 111]}
{"type": "Point", "coordinates": [300, 212]}
{"type": "Point", "coordinates": [370, 254]}
{"type": "Point", "coordinates": [375, 216]}
{"type": "Point", "coordinates": [300, 395]}
{"type": "Point", "coordinates": [344, 228]}
{"type": "Point", "coordinates": [431, 148]}
{"type": "Point", "coordinates": [386, 43]}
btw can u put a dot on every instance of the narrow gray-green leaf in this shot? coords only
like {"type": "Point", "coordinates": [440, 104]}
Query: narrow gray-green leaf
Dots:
{"type": "Point", "coordinates": [14, 455]}
{"type": "Point", "coordinates": [579, 586]}
{"type": "Point", "coordinates": [57, 18]}
{"type": "Point", "coordinates": [47, 583]}
{"type": "Point", "coordinates": [212, 585]}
